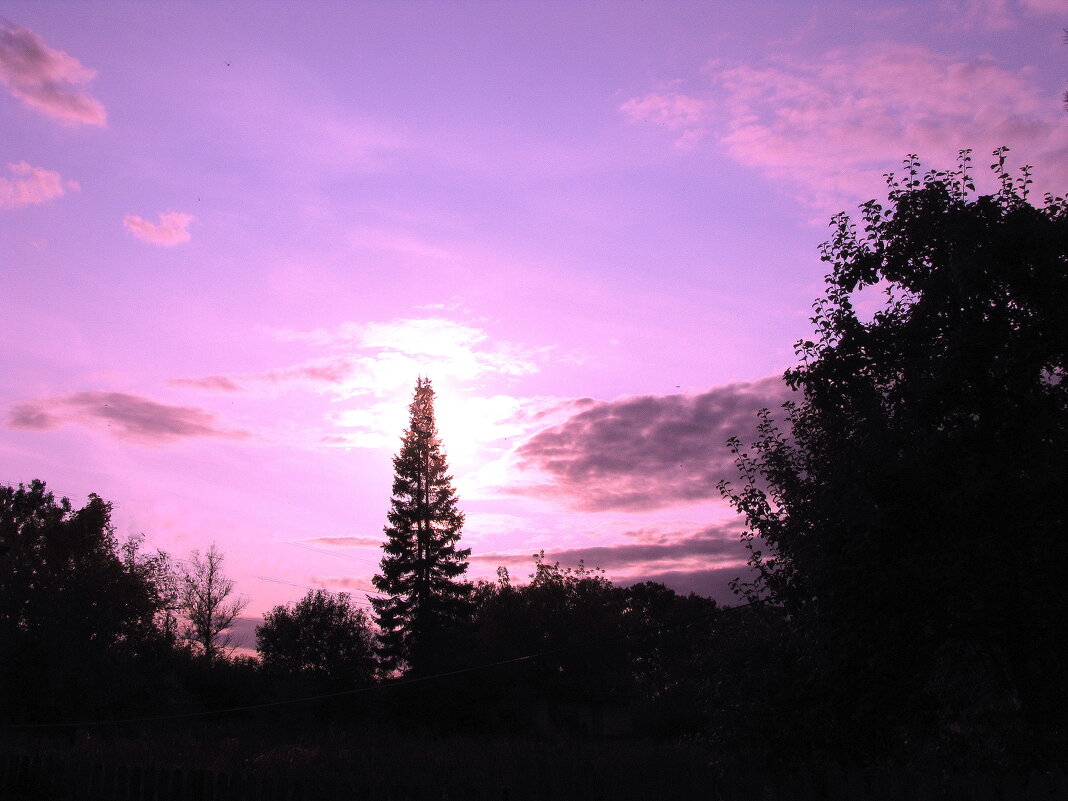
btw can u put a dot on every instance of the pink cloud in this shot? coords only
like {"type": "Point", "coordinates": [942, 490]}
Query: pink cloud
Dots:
{"type": "Point", "coordinates": [333, 371]}
{"type": "Point", "coordinates": [1052, 7]}
{"type": "Point", "coordinates": [47, 80]}
{"type": "Point", "coordinates": [348, 542]}
{"type": "Point", "coordinates": [345, 583]}
{"type": "Point", "coordinates": [991, 15]}
{"type": "Point", "coordinates": [122, 415]}
{"type": "Point", "coordinates": [996, 15]}
{"type": "Point", "coordinates": [219, 382]}
{"type": "Point", "coordinates": [674, 111]}
{"type": "Point", "coordinates": [31, 185]}
{"type": "Point", "coordinates": [646, 452]}
{"type": "Point", "coordinates": [172, 228]}
{"type": "Point", "coordinates": [833, 126]}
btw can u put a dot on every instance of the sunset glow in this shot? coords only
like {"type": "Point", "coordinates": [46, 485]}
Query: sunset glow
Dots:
{"type": "Point", "coordinates": [233, 235]}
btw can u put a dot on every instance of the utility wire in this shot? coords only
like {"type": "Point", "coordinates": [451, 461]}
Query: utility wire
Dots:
{"type": "Point", "coordinates": [331, 553]}
{"type": "Point", "coordinates": [387, 686]}
{"type": "Point", "coordinates": [307, 587]}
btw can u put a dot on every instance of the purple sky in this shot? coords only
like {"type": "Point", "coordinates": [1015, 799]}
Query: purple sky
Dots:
{"type": "Point", "coordinates": [233, 234]}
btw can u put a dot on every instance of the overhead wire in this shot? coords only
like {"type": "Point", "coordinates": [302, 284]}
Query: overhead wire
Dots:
{"type": "Point", "coordinates": [331, 553]}
{"type": "Point", "coordinates": [313, 588]}
{"type": "Point", "coordinates": [659, 626]}
{"type": "Point", "coordinates": [387, 685]}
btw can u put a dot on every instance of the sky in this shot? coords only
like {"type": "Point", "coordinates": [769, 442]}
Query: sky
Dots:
{"type": "Point", "coordinates": [232, 235]}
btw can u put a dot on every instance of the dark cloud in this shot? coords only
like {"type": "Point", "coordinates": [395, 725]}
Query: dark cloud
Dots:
{"type": "Point", "coordinates": [219, 382]}
{"type": "Point", "coordinates": [123, 415]}
{"type": "Point", "coordinates": [713, 582]}
{"type": "Point", "coordinates": [648, 451]}
{"type": "Point", "coordinates": [705, 562]}
{"type": "Point", "coordinates": [717, 543]}
{"type": "Point", "coordinates": [243, 632]}
{"type": "Point", "coordinates": [33, 417]}
{"type": "Point", "coordinates": [687, 563]}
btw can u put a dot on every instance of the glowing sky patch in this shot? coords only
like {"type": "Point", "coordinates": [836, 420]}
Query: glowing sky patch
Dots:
{"type": "Point", "coordinates": [232, 241]}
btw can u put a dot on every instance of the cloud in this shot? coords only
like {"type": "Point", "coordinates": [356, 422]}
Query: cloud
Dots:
{"type": "Point", "coordinates": [466, 422]}
{"type": "Point", "coordinates": [219, 382]}
{"type": "Point", "coordinates": [991, 15]}
{"type": "Point", "coordinates": [122, 415]}
{"type": "Point", "coordinates": [242, 632]}
{"type": "Point", "coordinates": [331, 371]}
{"type": "Point", "coordinates": [172, 228]}
{"type": "Point", "coordinates": [390, 354]}
{"type": "Point", "coordinates": [379, 358]}
{"type": "Point", "coordinates": [674, 111]}
{"type": "Point", "coordinates": [397, 242]}
{"type": "Point", "coordinates": [996, 15]}
{"type": "Point", "coordinates": [704, 561]}
{"type": "Point", "coordinates": [1051, 7]}
{"type": "Point", "coordinates": [370, 368]}
{"type": "Point", "coordinates": [382, 359]}
{"type": "Point", "coordinates": [712, 582]}
{"type": "Point", "coordinates": [345, 583]}
{"type": "Point", "coordinates": [720, 544]}
{"type": "Point", "coordinates": [347, 542]}
{"type": "Point", "coordinates": [645, 452]}
{"type": "Point", "coordinates": [31, 185]}
{"type": "Point", "coordinates": [831, 127]}
{"type": "Point", "coordinates": [47, 80]}
{"type": "Point", "coordinates": [372, 375]}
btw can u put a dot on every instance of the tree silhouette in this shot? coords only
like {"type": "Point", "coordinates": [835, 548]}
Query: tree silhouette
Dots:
{"type": "Point", "coordinates": [324, 637]}
{"type": "Point", "coordinates": [421, 563]}
{"type": "Point", "coordinates": [205, 601]}
{"type": "Point", "coordinates": [83, 618]}
{"type": "Point", "coordinates": [906, 519]}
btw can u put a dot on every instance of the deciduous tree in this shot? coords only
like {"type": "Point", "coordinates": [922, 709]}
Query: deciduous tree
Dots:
{"type": "Point", "coordinates": [207, 605]}
{"type": "Point", "coordinates": [906, 517]}
{"type": "Point", "coordinates": [84, 620]}
{"type": "Point", "coordinates": [324, 636]}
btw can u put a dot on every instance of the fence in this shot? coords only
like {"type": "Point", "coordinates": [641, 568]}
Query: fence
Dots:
{"type": "Point", "coordinates": [51, 778]}
{"type": "Point", "coordinates": [42, 777]}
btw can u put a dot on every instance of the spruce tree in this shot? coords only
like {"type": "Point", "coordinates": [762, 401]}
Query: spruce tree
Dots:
{"type": "Point", "coordinates": [421, 564]}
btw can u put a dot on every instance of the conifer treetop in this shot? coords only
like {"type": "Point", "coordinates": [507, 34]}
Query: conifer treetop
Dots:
{"type": "Point", "coordinates": [421, 563]}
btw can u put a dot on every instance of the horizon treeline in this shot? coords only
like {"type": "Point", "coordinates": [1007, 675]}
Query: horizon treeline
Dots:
{"type": "Point", "coordinates": [904, 519]}
{"type": "Point", "coordinates": [93, 629]}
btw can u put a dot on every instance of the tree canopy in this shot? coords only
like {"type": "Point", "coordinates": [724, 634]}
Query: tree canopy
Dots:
{"type": "Point", "coordinates": [81, 615]}
{"type": "Point", "coordinates": [324, 636]}
{"type": "Point", "coordinates": [906, 518]}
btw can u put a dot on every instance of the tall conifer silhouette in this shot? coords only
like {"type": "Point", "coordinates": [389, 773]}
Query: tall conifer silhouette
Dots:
{"type": "Point", "coordinates": [421, 565]}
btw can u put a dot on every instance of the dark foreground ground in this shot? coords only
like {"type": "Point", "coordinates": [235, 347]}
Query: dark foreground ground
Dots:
{"type": "Point", "coordinates": [391, 766]}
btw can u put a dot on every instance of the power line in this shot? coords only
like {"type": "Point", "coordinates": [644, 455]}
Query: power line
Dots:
{"type": "Point", "coordinates": [55, 491]}
{"type": "Point", "coordinates": [388, 686]}
{"type": "Point", "coordinates": [307, 587]}
{"type": "Point", "coordinates": [331, 553]}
